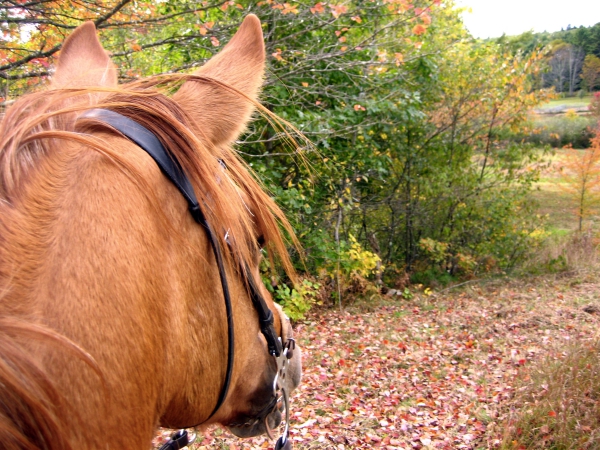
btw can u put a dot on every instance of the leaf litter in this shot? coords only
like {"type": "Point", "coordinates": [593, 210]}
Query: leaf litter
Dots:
{"type": "Point", "coordinates": [433, 372]}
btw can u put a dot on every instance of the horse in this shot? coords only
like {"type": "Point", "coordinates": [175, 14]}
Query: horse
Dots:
{"type": "Point", "coordinates": [129, 266]}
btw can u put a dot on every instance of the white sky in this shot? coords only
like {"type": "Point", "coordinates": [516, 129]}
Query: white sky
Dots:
{"type": "Point", "coordinates": [492, 18]}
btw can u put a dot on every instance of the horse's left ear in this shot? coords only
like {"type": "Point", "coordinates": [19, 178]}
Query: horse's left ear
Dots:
{"type": "Point", "coordinates": [223, 114]}
{"type": "Point", "coordinates": [83, 62]}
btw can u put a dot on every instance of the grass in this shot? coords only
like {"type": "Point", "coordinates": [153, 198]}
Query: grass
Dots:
{"type": "Point", "coordinates": [559, 130]}
{"type": "Point", "coordinates": [569, 102]}
{"type": "Point", "coordinates": [555, 204]}
{"type": "Point", "coordinates": [556, 404]}
{"type": "Point", "coordinates": [559, 403]}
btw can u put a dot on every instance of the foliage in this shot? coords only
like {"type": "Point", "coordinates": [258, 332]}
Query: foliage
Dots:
{"type": "Point", "coordinates": [581, 174]}
{"type": "Point", "coordinates": [410, 118]}
{"type": "Point", "coordinates": [566, 52]}
{"type": "Point", "coordinates": [296, 302]}
{"type": "Point", "coordinates": [558, 130]}
{"type": "Point", "coordinates": [590, 73]}
{"type": "Point", "coordinates": [594, 106]}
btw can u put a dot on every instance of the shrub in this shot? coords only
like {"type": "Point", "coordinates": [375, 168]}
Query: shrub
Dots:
{"type": "Point", "coordinates": [572, 252]}
{"type": "Point", "coordinates": [594, 105]}
{"type": "Point", "coordinates": [561, 130]}
{"type": "Point", "coordinates": [296, 302]}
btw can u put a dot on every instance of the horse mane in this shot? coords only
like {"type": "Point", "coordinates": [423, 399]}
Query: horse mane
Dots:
{"type": "Point", "coordinates": [232, 199]}
{"type": "Point", "coordinates": [32, 130]}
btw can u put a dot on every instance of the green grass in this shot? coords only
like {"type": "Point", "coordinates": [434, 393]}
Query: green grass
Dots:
{"type": "Point", "coordinates": [567, 102]}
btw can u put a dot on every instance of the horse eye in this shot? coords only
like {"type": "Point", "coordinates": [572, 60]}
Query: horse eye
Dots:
{"type": "Point", "coordinates": [260, 241]}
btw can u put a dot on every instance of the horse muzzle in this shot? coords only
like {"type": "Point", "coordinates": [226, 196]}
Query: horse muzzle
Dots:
{"type": "Point", "coordinates": [262, 424]}
{"type": "Point", "coordinates": [269, 418]}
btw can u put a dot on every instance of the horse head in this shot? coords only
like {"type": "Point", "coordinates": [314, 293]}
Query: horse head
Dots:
{"type": "Point", "coordinates": [104, 256]}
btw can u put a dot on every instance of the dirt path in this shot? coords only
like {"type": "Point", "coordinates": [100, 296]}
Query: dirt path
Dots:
{"type": "Point", "coordinates": [434, 372]}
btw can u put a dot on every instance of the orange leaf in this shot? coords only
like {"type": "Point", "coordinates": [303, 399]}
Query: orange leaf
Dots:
{"type": "Point", "coordinates": [337, 10]}
{"type": "Point", "coordinates": [277, 55]}
{"type": "Point", "coordinates": [419, 29]}
{"type": "Point", "coordinates": [399, 58]}
{"type": "Point", "coordinates": [318, 8]}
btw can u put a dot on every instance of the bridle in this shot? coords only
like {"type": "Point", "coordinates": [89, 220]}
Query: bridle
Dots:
{"type": "Point", "coordinates": [282, 352]}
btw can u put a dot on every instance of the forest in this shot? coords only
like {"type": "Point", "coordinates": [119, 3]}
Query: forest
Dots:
{"type": "Point", "coordinates": [573, 64]}
{"type": "Point", "coordinates": [413, 163]}
{"type": "Point", "coordinates": [410, 172]}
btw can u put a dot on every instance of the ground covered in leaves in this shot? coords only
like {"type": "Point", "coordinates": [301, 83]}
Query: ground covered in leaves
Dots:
{"type": "Point", "coordinates": [432, 372]}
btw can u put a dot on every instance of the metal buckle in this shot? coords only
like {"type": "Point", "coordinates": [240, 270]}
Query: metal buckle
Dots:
{"type": "Point", "coordinates": [278, 388]}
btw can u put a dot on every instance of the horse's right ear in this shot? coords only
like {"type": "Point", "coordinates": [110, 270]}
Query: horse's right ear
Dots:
{"type": "Point", "coordinates": [83, 62]}
{"type": "Point", "coordinates": [222, 114]}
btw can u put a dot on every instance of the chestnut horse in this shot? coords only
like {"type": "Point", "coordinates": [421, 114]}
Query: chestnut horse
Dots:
{"type": "Point", "coordinates": [113, 307]}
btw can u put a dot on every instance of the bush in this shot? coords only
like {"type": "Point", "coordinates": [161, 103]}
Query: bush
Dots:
{"type": "Point", "coordinates": [562, 130]}
{"type": "Point", "coordinates": [594, 105]}
{"type": "Point", "coordinates": [296, 302]}
{"type": "Point", "coordinates": [572, 252]}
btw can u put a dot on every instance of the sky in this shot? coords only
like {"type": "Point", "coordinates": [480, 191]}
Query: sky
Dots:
{"type": "Point", "coordinates": [492, 18]}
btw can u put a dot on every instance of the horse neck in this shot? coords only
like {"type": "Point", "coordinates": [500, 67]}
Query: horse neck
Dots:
{"type": "Point", "coordinates": [88, 250]}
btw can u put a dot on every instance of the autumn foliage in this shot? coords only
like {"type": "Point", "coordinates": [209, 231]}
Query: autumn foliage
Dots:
{"type": "Point", "coordinates": [411, 122]}
{"type": "Point", "coordinates": [581, 176]}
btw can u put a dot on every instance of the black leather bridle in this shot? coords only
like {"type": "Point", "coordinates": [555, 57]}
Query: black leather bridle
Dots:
{"type": "Point", "coordinates": [170, 167]}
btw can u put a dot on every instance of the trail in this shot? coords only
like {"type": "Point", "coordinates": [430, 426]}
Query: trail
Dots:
{"type": "Point", "coordinates": [434, 372]}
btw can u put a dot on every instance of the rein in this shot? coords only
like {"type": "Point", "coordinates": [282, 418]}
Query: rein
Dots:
{"type": "Point", "coordinates": [169, 165]}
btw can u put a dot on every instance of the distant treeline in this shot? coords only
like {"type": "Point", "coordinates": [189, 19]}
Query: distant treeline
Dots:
{"type": "Point", "coordinates": [573, 59]}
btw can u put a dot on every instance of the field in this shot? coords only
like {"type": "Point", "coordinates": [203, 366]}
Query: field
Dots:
{"type": "Point", "coordinates": [556, 204]}
{"type": "Point", "coordinates": [560, 105]}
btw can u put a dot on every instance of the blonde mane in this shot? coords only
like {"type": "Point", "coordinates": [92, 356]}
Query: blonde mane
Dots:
{"type": "Point", "coordinates": [233, 201]}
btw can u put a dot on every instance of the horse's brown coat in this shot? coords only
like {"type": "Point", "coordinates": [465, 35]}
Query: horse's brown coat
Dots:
{"type": "Point", "coordinates": [111, 313]}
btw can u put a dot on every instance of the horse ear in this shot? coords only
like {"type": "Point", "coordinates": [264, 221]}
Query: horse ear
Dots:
{"type": "Point", "coordinates": [223, 114]}
{"type": "Point", "coordinates": [83, 61]}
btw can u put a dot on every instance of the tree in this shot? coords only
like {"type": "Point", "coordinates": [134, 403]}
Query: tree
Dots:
{"type": "Point", "coordinates": [581, 173]}
{"type": "Point", "coordinates": [565, 67]}
{"type": "Point", "coordinates": [409, 119]}
{"type": "Point", "coordinates": [590, 72]}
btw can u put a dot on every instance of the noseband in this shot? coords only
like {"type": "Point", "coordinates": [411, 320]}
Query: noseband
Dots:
{"type": "Point", "coordinates": [169, 165]}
